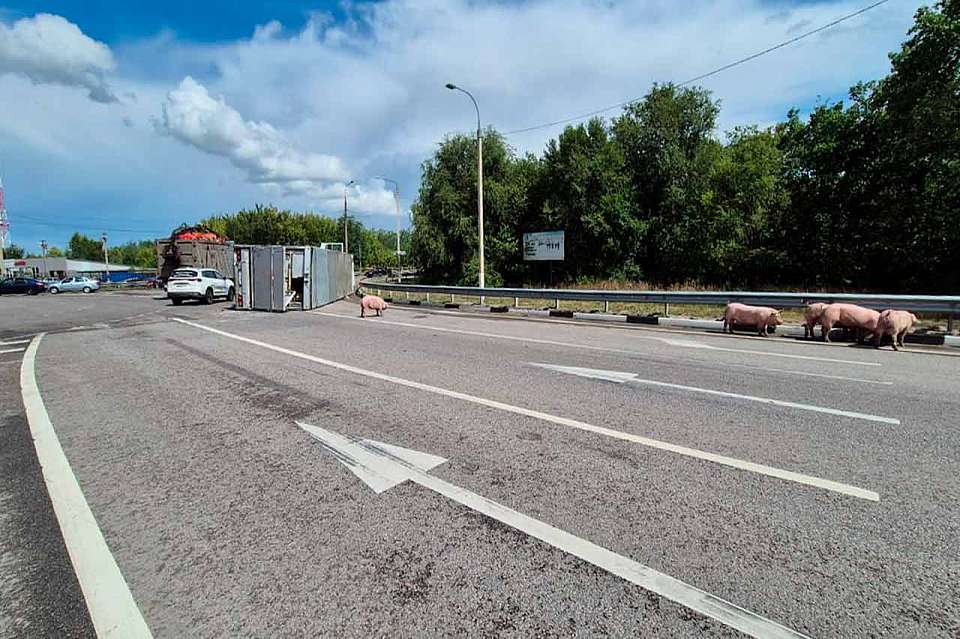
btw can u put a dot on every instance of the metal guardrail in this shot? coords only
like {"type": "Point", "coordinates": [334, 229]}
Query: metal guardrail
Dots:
{"type": "Point", "coordinates": [948, 305]}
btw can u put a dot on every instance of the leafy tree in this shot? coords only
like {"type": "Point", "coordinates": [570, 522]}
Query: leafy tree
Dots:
{"type": "Point", "coordinates": [82, 247]}
{"type": "Point", "coordinates": [13, 252]}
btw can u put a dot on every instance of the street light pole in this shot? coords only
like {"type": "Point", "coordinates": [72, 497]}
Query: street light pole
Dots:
{"type": "Point", "coordinates": [43, 250]}
{"type": "Point", "coordinates": [106, 255]}
{"type": "Point", "coordinates": [346, 221]}
{"type": "Point", "coordinates": [396, 199]}
{"type": "Point", "coordinates": [454, 87]}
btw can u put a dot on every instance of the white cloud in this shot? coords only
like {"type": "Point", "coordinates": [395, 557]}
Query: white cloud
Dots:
{"type": "Point", "coordinates": [192, 115]}
{"type": "Point", "coordinates": [49, 49]}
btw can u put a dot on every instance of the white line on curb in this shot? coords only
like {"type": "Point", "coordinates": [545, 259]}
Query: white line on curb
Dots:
{"type": "Point", "coordinates": [732, 462]}
{"type": "Point", "coordinates": [666, 340]}
{"type": "Point", "coordinates": [113, 611]}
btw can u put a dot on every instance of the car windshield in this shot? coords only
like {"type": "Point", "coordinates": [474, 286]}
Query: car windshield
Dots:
{"type": "Point", "coordinates": [183, 273]}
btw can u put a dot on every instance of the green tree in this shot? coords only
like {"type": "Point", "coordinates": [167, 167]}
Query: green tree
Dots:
{"type": "Point", "coordinates": [13, 252]}
{"type": "Point", "coordinates": [82, 247]}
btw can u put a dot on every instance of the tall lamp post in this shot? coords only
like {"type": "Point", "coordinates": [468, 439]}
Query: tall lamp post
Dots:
{"type": "Point", "coordinates": [454, 87]}
{"type": "Point", "coordinates": [346, 245]}
{"type": "Point", "coordinates": [106, 255]}
{"type": "Point", "coordinates": [396, 199]}
{"type": "Point", "coordinates": [43, 250]}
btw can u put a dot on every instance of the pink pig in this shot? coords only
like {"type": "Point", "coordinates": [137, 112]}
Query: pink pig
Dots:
{"type": "Point", "coordinates": [759, 316]}
{"type": "Point", "coordinates": [864, 320]}
{"type": "Point", "coordinates": [895, 323]}
{"type": "Point", "coordinates": [372, 303]}
{"type": "Point", "coordinates": [811, 317]}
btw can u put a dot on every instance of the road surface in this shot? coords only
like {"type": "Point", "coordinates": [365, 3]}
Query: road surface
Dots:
{"type": "Point", "coordinates": [812, 485]}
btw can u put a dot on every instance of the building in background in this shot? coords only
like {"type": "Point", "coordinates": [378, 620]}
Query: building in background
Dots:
{"type": "Point", "coordinates": [60, 267]}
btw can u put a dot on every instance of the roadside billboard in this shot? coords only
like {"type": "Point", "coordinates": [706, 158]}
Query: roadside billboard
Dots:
{"type": "Point", "coordinates": [543, 247]}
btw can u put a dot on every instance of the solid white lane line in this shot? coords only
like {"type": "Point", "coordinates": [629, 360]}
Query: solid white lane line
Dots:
{"type": "Point", "coordinates": [15, 342]}
{"type": "Point", "coordinates": [619, 351]}
{"type": "Point", "coordinates": [621, 378]}
{"type": "Point", "coordinates": [732, 462]}
{"type": "Point", "coordinates": [12, 350]}
{"type": "Point", "coordinates": [112, 609]}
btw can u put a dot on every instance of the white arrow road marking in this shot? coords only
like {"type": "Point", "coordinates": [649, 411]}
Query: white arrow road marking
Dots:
{"type": "Point", "coordinates": [666, 340]}
{"type": "Point", "coordinates": [112, 609]}
{"type": "Point", "coordinates": [12, 350]}
{"type": "Point", "coordinates": [621, 378]}
{"type": "Point", "coordinates": [381, 466]}
{"type": "Point", "coordinates": [770, 471]}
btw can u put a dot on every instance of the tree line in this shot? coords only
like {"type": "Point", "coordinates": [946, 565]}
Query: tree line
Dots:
{"type": "Point", "coordinates": [270, 225]}
{"type": "Point", "coordinates": [139, 254]}
{"type": "Point", "coordinates": [862, 194]}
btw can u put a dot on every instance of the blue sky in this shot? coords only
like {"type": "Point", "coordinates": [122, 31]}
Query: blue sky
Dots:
{"type": "Point", "coordinates": [134, 117]}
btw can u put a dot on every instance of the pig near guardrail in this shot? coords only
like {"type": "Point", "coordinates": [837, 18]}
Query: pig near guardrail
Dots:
{"type": "Point", "coordinates": [372, 303]}
{"type": "Point", "coordinates": [896, 324]}
{"type": "Point", "coordinates": [758, 316]}
{"type": "Point", "coordinates": [862, 320]}
{"type": "Point", "coordinates": [811, 317]}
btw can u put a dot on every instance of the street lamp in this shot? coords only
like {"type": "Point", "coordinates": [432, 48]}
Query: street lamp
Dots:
{"type": "Point", "coordinates": [106, 255]}
{"type": "Point", "coordinates": [43, 249]}
{"type": "Point", "coordinates": [346, 245]}
{"type": "Point", "coordinates": [454, 87]}
{"type": "Point", "coordinates": [396, 199]}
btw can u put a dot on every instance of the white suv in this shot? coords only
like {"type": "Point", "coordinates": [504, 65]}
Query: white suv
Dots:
{"type": "Point", "coordinates": [199, 283]}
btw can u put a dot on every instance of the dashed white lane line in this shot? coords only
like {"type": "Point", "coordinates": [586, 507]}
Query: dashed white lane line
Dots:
{"type": "Point", "coordinates": [14, 342]}
{"type": "Point", "coordinates": [112, 609]}
{"type": "Point", "coordinates": [770, 471]}
{"type": "Point", "coordinates": [666, 340]}
{"type": "Point", "coordinates": [12, 350]}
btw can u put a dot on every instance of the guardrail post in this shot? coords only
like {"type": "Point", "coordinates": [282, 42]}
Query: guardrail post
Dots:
{"type": "Point", "coordinates": [406, 295]}
{"type": "Point", "coordinates": [516, 302]}
{"type": "Point", "coordinates": [556, 303]}
{"type": "Point", "coordinates": [451, 298]}
{"type": "Point", "coordinates": [606, 306]}
{"type": "Point", "coordinates": [428, 298]}
{"type": "Point", "coordinates": [953, 311]}
{"type": "Point", "coordinates": [666, 309]}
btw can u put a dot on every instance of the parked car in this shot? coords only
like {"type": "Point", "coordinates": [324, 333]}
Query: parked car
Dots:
{"type": "Point", "coordinates": [202, 284]}
{"type": "Point", "coordinates": [75, 285]}
{"type": "Point", "coordinates": [26, 285]}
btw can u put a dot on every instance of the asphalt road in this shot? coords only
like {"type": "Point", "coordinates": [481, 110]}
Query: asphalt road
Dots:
{"type": "Point", "coordinates": [832, 512]}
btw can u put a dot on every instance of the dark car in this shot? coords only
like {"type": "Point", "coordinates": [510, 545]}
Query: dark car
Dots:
{"type": "Point", "coordinates": [26, 285]}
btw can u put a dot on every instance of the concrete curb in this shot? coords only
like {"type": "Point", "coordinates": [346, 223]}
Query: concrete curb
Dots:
{"type": "Point", "coordinates": [951, 340]}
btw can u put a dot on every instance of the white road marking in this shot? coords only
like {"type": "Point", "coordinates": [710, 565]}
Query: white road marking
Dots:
{"type": "Point", "coordinates": [619, 351]}
{"type": "Point", "coordinates": [381, 466]}
{"type": "Point", "coordinates": [14, 342]}
{"type": "Point", "coordinates": [112, 609]}
{"type": "Point", "coordinates": [620, 378]}
{"type": "Point", "coordinates": [661, 329]}
{"type": "Point", "coordinates": [770, 471]}
{"type": "Point", "coordinates": [12, 350]}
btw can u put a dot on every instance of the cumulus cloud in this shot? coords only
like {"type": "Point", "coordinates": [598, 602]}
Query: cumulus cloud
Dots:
{"type": "Point", "coordinates": [48, 49]}
{"type": "Point", "coordinates": [192, 115]}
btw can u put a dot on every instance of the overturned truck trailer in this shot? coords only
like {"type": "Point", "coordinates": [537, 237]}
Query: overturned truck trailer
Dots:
{"type": "Point", "coordinates": [282, 278]}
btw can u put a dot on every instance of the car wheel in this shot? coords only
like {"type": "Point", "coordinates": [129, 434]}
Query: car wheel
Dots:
{"type": "Point", "coordinates": [32, 292]}
{"type": "Point", "coordinates": [87, 289]}
{"type": "Point", "coordinates": [230, 294]}
{"type": "Point", "coordinates": [208, 296]}
{"type": "Point", "coordinates": [54, 290]}
{"type": "Point", "coordinates": [176, 301]}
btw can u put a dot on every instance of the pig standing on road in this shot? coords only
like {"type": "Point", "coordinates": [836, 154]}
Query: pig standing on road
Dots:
{"type": "Point", "coordinates": [759, 316]}
{"type": "Point", "coordinates": [896, 324]}
{"type": "Point", "coordinates": [371, 303]}
{"type": "Point", "coordinates": [811, 317]}
{"type": "Point", "coordinates": [864, 320]}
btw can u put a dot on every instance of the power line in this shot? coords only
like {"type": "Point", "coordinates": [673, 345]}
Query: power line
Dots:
{"type": "Point", "coordinates": [35, 221]}
{"type": "Point", "coordinates": [703, 76]}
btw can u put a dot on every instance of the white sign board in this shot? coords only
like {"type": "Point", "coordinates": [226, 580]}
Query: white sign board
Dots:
{"type": "Point", "coordinates": [547, 246]}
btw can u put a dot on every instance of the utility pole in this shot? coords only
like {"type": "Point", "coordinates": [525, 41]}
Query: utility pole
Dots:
{"type": "Point", "coordinates": [106, 255]}
{"type": "Point", "coordinates": [43, 250]}
{"type": "Point", "coordinates": [396, 199]}
{"type": "Point", "coordinates": [346, 220]}
{"type": "Point", "coordinates": [4, 228]}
